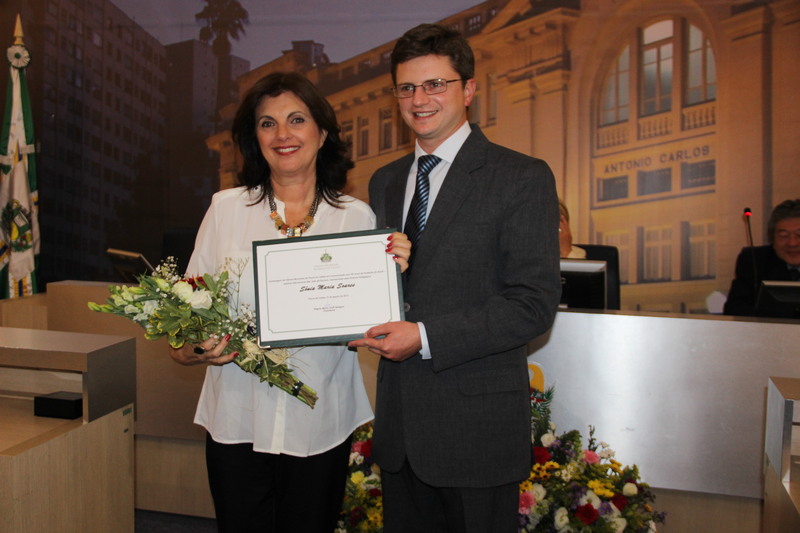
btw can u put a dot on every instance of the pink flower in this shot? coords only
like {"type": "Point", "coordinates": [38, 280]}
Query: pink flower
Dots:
{"type": "Point", "coordinates": [526, 499]}
{"type": "Point", "coordinates": [591, 457]}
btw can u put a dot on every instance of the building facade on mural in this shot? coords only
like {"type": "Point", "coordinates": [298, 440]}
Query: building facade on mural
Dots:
{"type": "Point", "coordinates": [122, 122]}
{"type": "Point", "coordinates": [661, 121]}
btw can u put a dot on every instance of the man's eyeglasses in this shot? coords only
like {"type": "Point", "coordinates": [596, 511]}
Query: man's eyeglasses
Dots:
{"type": "Point", "coordinates": [406, 90]}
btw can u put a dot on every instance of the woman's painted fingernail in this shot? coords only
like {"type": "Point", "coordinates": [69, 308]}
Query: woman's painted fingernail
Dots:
{"type": "Point", "coordinates": [235, 354]}
{"type": "Point", "coordinates": [227, 337]}
{"type": "Point", "coordinates": [390, 237]}
{"type": "Point", "coordinates": [389, 248]}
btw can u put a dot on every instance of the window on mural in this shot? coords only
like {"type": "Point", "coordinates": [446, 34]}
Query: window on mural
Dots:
{"type": "Point", "coordinates": [616, 95]}
{"type": "Point", "coordinates": [656, 65]}
{"type": "Point", "coordinates": [701, 68]}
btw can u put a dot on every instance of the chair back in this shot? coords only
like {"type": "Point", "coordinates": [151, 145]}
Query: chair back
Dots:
{"type": "Point", "coordinates": [609, 254]}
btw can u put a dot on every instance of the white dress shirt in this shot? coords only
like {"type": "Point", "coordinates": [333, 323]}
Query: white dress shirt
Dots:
{"type": "Point", "coordinates": [234, 406]}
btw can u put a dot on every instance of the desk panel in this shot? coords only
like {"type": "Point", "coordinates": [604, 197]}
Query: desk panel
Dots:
{"type": "Point", "coordinates": [681, 396]}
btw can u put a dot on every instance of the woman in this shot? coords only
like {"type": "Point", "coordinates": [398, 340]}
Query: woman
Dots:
{"type": "Point", "coordinates": [274, 464]}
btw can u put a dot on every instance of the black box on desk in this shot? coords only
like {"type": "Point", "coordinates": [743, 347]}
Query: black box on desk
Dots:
{"type": "Point", "coordinates": [60, 404]}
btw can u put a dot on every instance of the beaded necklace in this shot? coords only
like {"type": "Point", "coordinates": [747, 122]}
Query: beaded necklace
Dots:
{"type": "Point", "coordinates": [282, 226]}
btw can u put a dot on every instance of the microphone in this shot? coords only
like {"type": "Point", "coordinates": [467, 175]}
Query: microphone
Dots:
{"type": "Point", "coordinates": [749, 235]}
{"type": "Point", "coordinates": [746, 217]}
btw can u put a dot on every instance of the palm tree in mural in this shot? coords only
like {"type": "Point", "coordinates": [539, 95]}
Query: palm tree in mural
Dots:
{"type": "Point", "coordinates": [222, 20]}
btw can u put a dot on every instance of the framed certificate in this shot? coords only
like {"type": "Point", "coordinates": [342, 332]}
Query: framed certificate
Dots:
{"type": "Point", "coordinates": [324, 289]}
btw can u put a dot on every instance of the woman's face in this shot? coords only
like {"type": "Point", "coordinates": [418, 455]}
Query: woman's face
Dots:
{"type": "Point", "coordinates": [288, 136]}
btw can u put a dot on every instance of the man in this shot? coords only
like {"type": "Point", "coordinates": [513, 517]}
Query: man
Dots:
{"type": "Point", "coordinates": [780, 261]}
{"type": "Point", "coordinates": [452, 429]}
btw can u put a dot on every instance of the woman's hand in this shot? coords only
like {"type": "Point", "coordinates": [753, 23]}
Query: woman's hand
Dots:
{"type": "Point", "coordinates": [400, 247]}
{"type": "Point", "coordinates": [211, 351]}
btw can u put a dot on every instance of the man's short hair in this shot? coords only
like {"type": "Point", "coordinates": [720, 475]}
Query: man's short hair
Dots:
{"type": "Point", "coordinates": [433, 39]}
{"type": "Point", "coordinates": [784, 210]}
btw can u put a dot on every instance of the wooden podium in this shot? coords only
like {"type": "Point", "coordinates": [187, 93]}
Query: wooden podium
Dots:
{"type": "Point", "coordinates": [66, 475]}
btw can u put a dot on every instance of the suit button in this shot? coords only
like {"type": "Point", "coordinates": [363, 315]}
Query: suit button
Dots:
{"type": "Point", "coordinates": [406, 307]}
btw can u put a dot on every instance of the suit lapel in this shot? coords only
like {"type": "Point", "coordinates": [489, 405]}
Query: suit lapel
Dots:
{"type": "Point", "coordinates": [460, 180]}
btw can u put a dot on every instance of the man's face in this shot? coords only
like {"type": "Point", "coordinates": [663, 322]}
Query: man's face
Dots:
{"type": "Point", "coordinates": [786, 240]}
{"type": "Point", "coordinates": [433, 117]}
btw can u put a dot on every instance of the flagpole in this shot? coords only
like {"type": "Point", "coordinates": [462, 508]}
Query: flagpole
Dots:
{"type": "Point", "coordinates": [19, 226]}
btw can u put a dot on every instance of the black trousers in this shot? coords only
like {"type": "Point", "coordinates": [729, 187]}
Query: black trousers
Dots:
{"type": "Point", "coordinates": [273, 493]}
{"type": "Point", "coordinates": [412, 506]}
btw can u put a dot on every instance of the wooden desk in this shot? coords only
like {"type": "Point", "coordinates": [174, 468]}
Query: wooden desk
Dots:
{"type": "Point", "coordinates": [66, 475]}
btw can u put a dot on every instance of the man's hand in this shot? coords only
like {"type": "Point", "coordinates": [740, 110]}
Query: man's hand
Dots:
{"type": "Point", "coordinates": [394, 340]}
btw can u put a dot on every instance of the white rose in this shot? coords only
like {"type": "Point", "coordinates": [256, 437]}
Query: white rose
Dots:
{"type": "Point", "coordinates": [201, 299]}
{"type": "Point", "coordinates": [561, 518]}
{"type": "Point", "coordinates": [149, 307]}
{"type": "Point", "coordinates": [629, 489]}
{"type": "Point", "coordinates": [539, 492]}
{"type": "Point", "coordinates": [619, 524]}
{"type": "Point", "coordinates": [548, 439]}
{"type": "Point", "coordinates": [591, 498]}
{"type": "Point", "coordinates": [651, 527]}
{"type": "Point", "coordinates": [183, 291]}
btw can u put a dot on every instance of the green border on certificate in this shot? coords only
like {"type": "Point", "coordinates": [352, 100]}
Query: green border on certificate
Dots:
{"type": "Point", "coordinates": [325, 289]}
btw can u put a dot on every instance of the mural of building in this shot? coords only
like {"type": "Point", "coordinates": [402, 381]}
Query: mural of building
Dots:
{"type": "Point", "coordinates": [121, 123]}
{"type": "Point", "coordinates": [97, 88]}
{"type": "Point", "coordinates": [192, 84]}
{"type": "Point", "coordinates": [662, 121]}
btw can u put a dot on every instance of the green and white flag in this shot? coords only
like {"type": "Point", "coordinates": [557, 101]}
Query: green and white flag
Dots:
{"type": "Point", "coordinates": [19, 225]}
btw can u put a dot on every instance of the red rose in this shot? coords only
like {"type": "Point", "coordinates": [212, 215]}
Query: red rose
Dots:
{"type": "Point", "coordinates": [619, 501]}
{"type": "Point", "coordinates": [374, 493]}
{"type": "Point", "coordinates": [363, 447]}
{"type": "Point", "coordinates": [587, 514]}
{"type": "Point", "coordinates": [541, 455]}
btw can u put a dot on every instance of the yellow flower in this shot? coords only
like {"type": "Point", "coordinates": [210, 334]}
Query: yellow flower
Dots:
{"type": "Point", "coordinates": [357, 477]}
{"type": "Point", "coordinates": [525, 486]}
{"type": "Point", "coordinates": [375, 516]}
{"type": "Point", "coordinates": [601, 487]}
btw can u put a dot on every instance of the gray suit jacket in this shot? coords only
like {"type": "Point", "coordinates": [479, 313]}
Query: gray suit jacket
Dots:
{"type": "Point", "coordinates": [485, 281]}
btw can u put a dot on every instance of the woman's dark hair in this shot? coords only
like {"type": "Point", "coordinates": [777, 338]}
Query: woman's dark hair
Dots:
{"type": "Point", "coordinates": [785, 209]}
{"type": "Point", "coordinates": [332, 160]}
{"type": "Point", "coordinates": [433, 39]}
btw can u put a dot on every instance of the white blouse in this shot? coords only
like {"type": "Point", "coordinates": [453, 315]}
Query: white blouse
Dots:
{"type": "Point", "coordinates": [234, 406]}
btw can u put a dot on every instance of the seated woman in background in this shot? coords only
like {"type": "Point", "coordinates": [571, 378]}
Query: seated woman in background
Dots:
{"type": "Point", "coordinates": [568, 251]}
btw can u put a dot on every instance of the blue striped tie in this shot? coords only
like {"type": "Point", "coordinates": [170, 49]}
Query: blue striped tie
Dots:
{"type": "Point", "coordinates": [415, 221]}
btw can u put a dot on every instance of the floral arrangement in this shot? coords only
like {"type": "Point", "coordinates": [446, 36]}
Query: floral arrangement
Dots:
{"type": "Point", "coordinates": [569, 490]}
{"type": "Point", "coordinates": [362, 510]}
{"type": "Point", "coordinates": [190, 310]}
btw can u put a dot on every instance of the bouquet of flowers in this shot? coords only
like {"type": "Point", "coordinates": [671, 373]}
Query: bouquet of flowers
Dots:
{"type": "Point", "coordinates": [575, 490]}
{"type": "Point", "coordinates": [362, 510]}
{"type": "Point", "coordinates": [193, 309]}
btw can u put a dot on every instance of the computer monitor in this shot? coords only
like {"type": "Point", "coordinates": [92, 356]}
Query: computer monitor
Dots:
{"type": "Point", "coordinates": [778, 299]}
{"type": "Point", "coordinates": [129, 265]}
{"type": "Point", "coordinates": [583, 284]}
